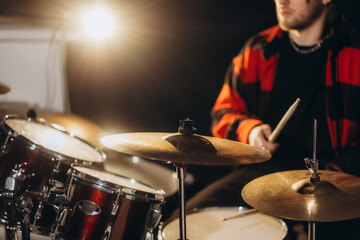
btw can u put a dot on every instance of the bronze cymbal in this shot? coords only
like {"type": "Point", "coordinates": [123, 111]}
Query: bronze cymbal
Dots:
{"type": "Point", "coordinates": [291, 195]}
{"type": "Point", "coordinates": [188, 149]}
{"type": "Point", "coordinates": [79, 126]}
{"type": "Point", "coordinates": [4, 88]}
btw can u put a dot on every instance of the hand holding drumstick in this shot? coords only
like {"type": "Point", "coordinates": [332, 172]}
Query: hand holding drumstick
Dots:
{"type": "Point", "coordinates": [262, 137]}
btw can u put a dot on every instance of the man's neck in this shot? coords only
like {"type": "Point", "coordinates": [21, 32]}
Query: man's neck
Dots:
{"type": "Point", "coordinates": [310, 35]}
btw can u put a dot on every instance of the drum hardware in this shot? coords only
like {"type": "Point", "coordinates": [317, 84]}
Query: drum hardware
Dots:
{"type": "Point", "coordinates": [17, 206]}
{"type": "Point", "coordinates": [182, 148]}
{"type": "Point", "coordinates": [313, 166]}
{"type": "Point", "coordinates": [153, 218]}
{"type": "Point", "coordinates": [59, 223]}
{"type": "Point", "coordinates": [115, 204]}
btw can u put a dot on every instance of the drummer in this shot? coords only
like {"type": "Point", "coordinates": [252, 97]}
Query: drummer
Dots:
{"type": "Point", "coordinates": [308, 55]}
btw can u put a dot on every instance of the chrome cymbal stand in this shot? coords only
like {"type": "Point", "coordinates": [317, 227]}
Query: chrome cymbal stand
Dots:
{"type": "Point", "coordinates": [313, 166]}
{"type": "Point", "coordinates": [181, 174]}
{"type": "Point", "coordinates": [186, 128]}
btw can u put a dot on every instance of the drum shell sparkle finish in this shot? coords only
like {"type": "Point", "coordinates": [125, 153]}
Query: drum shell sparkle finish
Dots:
{"type": "Point", "coordinates": [127, 222]}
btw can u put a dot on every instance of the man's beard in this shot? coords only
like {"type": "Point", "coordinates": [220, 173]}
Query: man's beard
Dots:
{"type": "Point", "coordinates": [300, 24]}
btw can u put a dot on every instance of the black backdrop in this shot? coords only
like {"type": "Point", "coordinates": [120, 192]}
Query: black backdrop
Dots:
{"type": "Point", "coordinates": [168, 67]}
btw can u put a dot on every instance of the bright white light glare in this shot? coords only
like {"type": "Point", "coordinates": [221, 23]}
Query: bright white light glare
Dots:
{"type": "Point", "coordinates": [98, 22]}
{"type": "Point", "coordinates": [135, 159]}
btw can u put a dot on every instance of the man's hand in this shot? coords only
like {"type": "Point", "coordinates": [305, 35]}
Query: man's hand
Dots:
{"type": "Point", "coordinates": [258, 137]}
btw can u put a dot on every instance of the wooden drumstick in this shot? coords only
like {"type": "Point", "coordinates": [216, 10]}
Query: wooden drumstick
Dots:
{"type": "Point", "coordinates": [241, 214]}
{"type": "Point", "coordinates": [283, 121]}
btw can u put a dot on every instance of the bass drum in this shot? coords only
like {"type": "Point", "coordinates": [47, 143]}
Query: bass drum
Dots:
{"type": "Point", "coordinates": [209, 224]}
{"type": "Point", "coordinates": [143, 170]}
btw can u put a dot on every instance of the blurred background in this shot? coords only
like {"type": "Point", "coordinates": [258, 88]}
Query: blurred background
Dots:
{"type": "Point", "coordinates": [139, 67]}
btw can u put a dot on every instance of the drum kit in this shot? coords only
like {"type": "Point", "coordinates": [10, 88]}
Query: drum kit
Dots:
{"type": "Point", "coordinates": [56, 184]}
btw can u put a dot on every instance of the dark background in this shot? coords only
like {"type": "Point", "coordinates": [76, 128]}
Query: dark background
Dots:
{"type": "Point", "coordinates": [169, 65]}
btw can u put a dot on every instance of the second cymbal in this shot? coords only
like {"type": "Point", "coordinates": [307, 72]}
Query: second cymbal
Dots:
{"type": "Point", "coordinates": [188, 149]}
{"type": "Point", "coordinates": [291, 195]}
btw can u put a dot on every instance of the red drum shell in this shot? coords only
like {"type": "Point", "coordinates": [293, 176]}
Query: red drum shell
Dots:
{"type": "Point", "coordinates": [128, 221]}
{"type": "Point", "coordinates": [42, 165]}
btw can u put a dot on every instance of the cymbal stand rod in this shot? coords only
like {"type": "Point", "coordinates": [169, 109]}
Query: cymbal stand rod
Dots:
{"type": "Point", "coordinates": [311, 231]}
{"type": "Point", "coordinates": [313, 164]}
{"type": "Point", "coordinates": [181, 173]}
{"type": "Point", "coordinates": [314, 143]}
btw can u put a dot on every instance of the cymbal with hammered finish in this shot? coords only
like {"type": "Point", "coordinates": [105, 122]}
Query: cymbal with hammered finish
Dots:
{"type": "Point", "coordinates": [187, 149]}
{"type": "Point", "coordinates": [291, 195]}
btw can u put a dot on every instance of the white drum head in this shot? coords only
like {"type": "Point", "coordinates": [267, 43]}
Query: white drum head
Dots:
{"type": "Point", "coordinates": [118, 180]}
{"type": "Point", "coordinates": [55, 140]}
{"type": "Point", "coordinates": [208, 224]}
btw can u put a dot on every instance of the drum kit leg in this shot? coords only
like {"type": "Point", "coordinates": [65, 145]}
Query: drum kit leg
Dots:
{"type": "Point", "coordinates": [88, 202]}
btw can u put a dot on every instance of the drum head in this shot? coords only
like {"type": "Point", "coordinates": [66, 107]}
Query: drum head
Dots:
{"type": "Point", "coordinates": [146, 171]}
{"type": "Point", "coordinates": [209, 224]}
{"type": "Point", "coordinates": [116, 182]}
{"type": "Point", "coordinates": [54, 139]}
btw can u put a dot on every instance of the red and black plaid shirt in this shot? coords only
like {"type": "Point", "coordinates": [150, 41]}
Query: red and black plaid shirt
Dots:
{"type": "Point", "coordinates": [235, 115]}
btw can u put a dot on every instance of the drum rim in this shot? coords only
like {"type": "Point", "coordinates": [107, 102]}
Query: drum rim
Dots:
{"type": "Point", "coordinates": [162, 225]}
{"type": "Point", "coordinates": [123, 190]}
{"type": "Point", "coordinates": [41, 148]}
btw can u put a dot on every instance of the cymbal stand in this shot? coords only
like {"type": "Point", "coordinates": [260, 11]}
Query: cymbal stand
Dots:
{"type": "Point", "coordinates": [185, 127]}
{"type": "Point", "coordinates": [181, 174]}
{"type": "Point", "coordinates": [313, 166]}
{"type": "Point", "coordinates": [311, 230]}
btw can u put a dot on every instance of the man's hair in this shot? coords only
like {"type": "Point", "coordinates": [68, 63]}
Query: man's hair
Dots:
{"type": "Point", "coordinates": [333, 15]}
{"type": "Point", "coordinates": [343, 13]}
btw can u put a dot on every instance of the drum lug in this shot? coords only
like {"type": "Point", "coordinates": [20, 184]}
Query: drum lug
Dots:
{"type": "Point", "coordinates": [114, 209]}
{"type": "Point", "coordinates": [153, 218]}
{"type": "Point", "coordinates": [107, 233]}
{"type": "Point", "coordinates": [59, 224]}
{"type": "Point", "coordinates": [149, 236]}
{"type": "Point", "coordinates": [16, 181]}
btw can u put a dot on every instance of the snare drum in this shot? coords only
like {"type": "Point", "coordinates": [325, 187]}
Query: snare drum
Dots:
{"type": "Point", "coordinates": [209, 224]}
{"type": "Point", "coordinates": [104, 205]}
{"type": "Point", "coordinates": [42, 153]}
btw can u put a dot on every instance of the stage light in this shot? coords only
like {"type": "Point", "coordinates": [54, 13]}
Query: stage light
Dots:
{"type": "Point", "coordinates": [98, 23]}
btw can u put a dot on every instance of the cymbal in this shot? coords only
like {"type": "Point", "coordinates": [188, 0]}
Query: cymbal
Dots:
{"type": "Point", "coordinates": [188, 149]}
{"type": "Point", "coordinates": [291, 195]}
{"type": "Point", "coordinates": [4, 88]}
{"type": "Point", "coordinates": [79, 126]}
